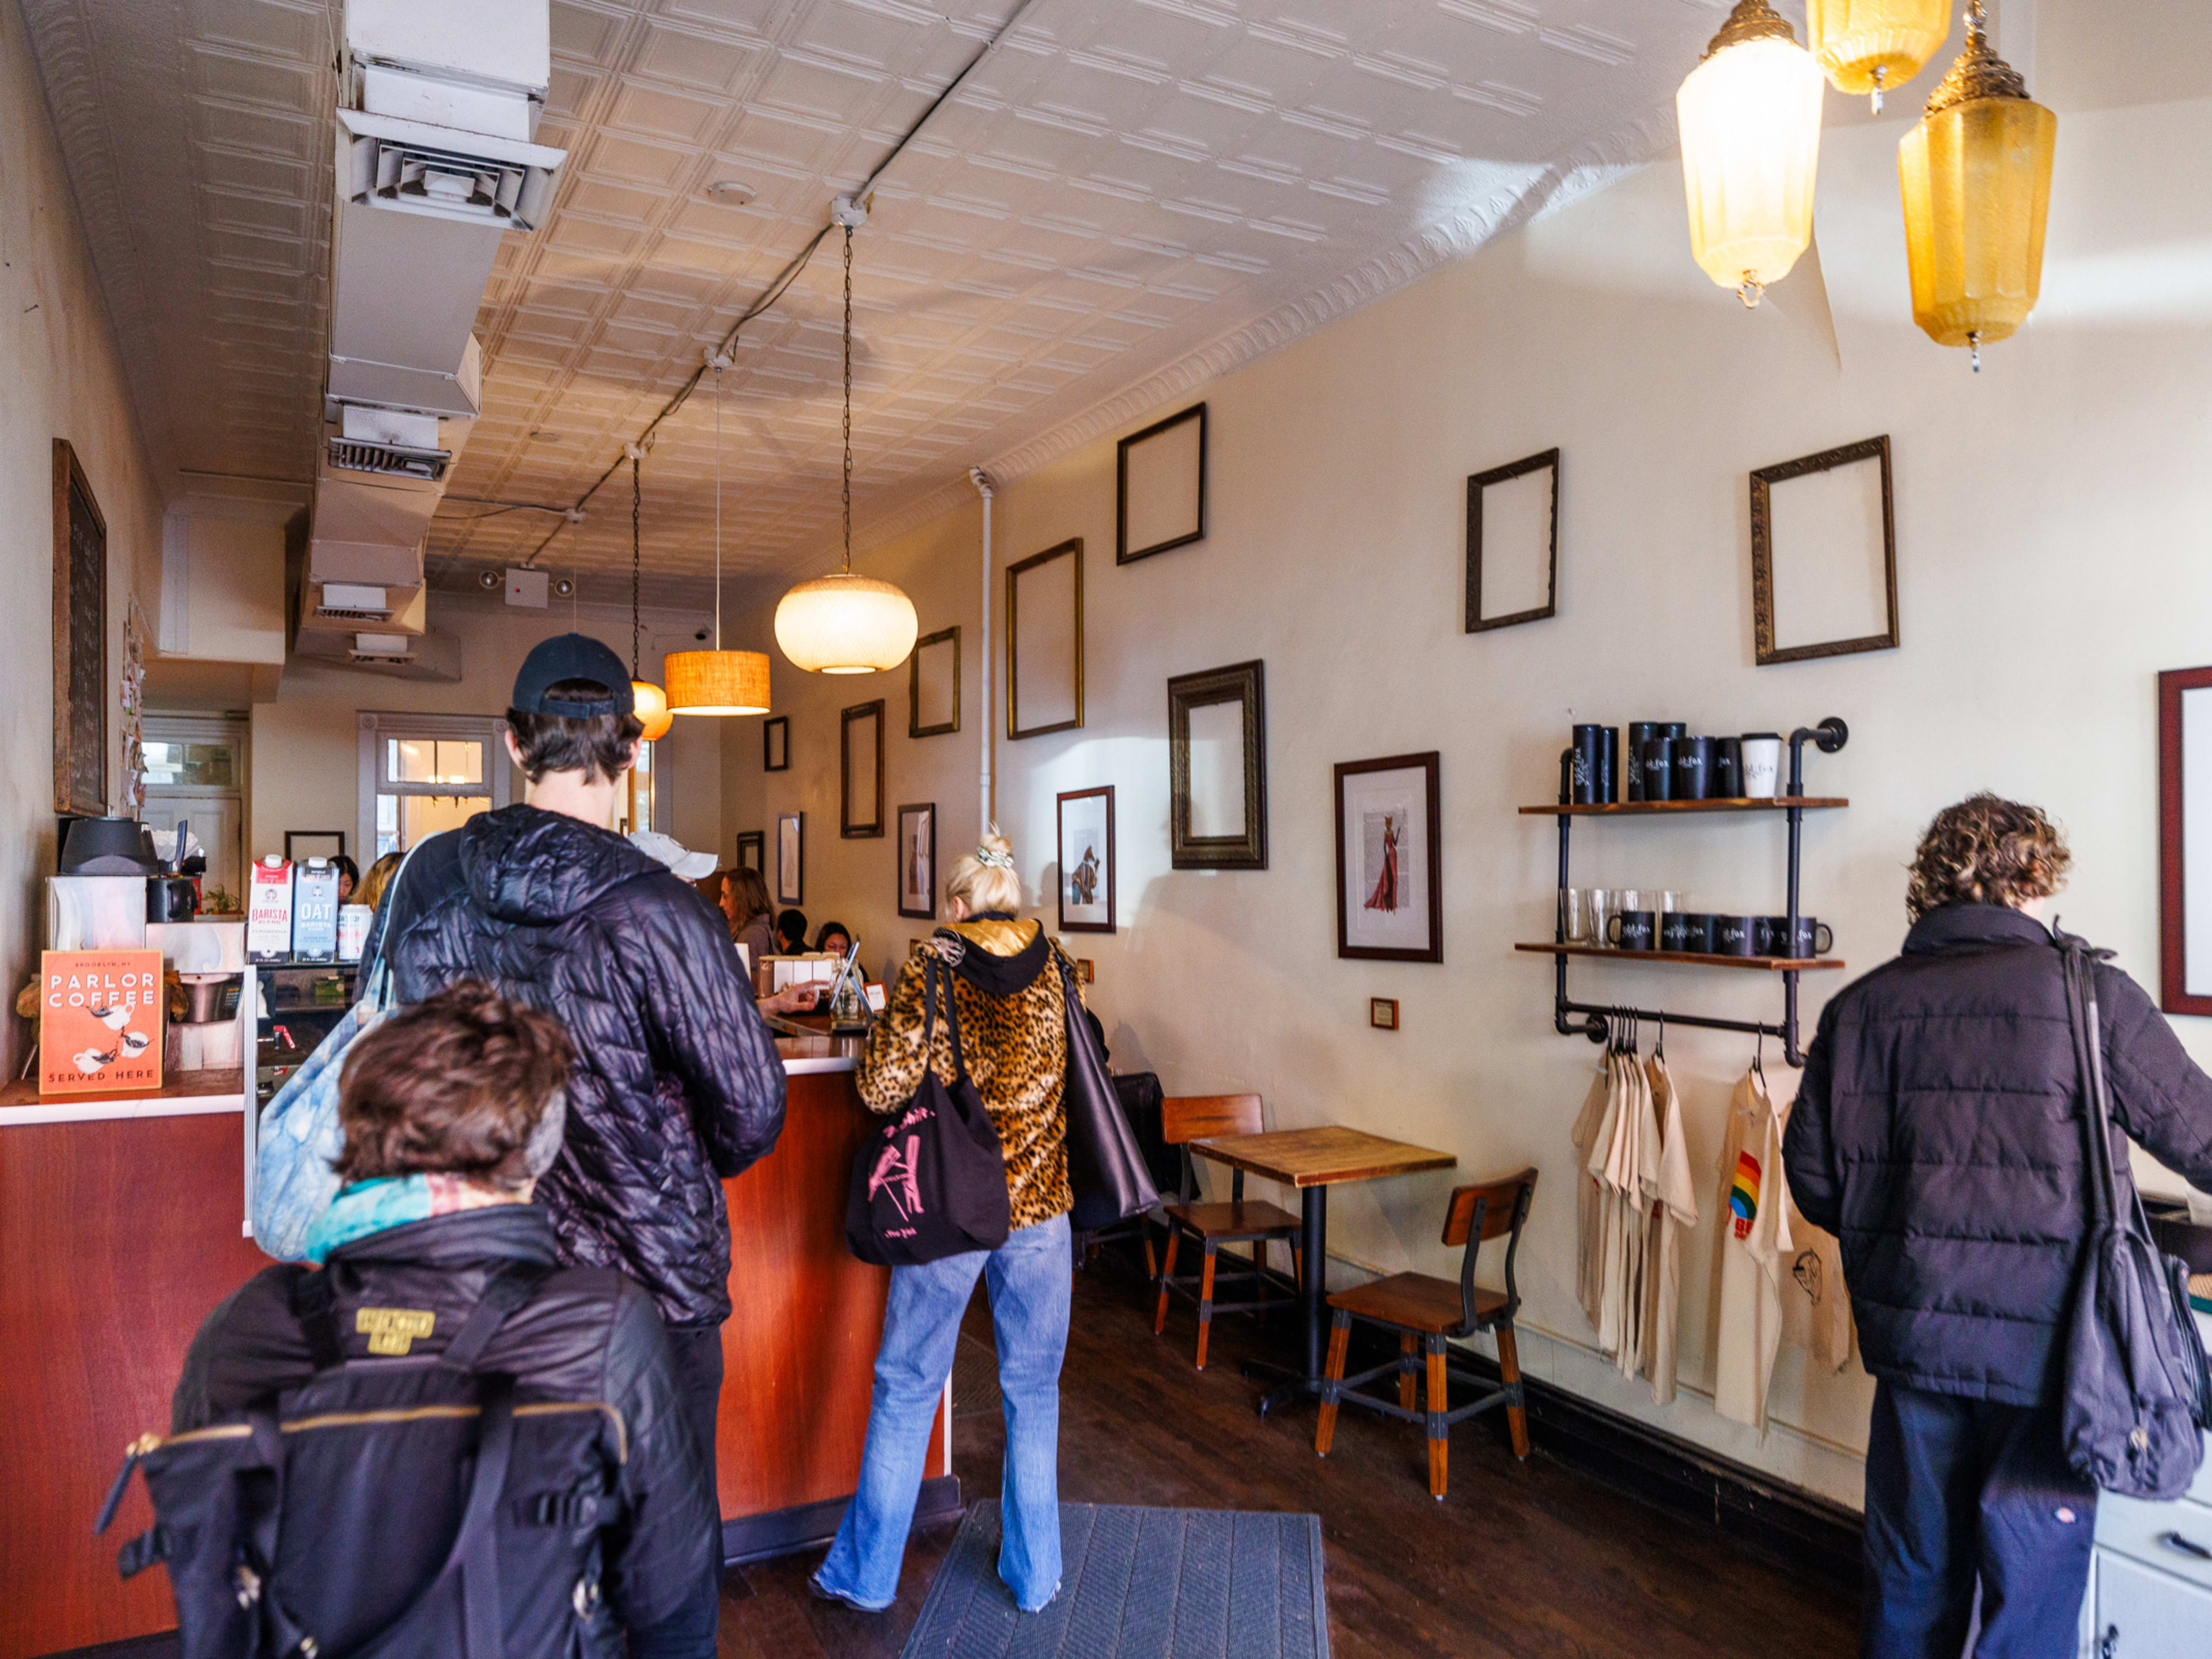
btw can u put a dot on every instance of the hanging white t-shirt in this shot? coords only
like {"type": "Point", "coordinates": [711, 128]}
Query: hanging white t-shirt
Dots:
{"type": "Point", "coordinates": [1589, 1245]}
{"type": "Point", "coordinates": [1754, 1252]}
{"type": "Point", "coordinates": [1619, 1330]}
{"type": "Point", "coordinates": [1673, 1206]}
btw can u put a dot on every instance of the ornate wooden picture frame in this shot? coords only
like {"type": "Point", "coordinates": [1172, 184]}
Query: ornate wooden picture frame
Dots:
{"type": "Point", "coordinates": [1882, 519]}
{"type": "Point", "coordinates": [81, 693]}
{"type": "Point", "coordinates": [1223, 826]}
{"type": "Point", "coordinates": [862, 765]}
{"type": "Point", "coordinates": [1499, 544]}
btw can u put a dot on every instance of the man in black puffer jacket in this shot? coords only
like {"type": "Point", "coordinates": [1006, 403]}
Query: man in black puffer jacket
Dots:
{"type": "Point", "coordinates": [1939, 1132]}
{"type": "Point", "coordinates": [677, 1083]}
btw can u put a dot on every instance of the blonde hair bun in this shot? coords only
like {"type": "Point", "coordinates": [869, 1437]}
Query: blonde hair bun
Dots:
{"type": "Point", "coordinates": [985, 879]}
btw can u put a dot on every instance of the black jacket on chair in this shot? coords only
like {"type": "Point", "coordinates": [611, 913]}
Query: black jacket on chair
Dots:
{"type": "Point", "coordinates": [677, 1082]}
{"type": "Point", "coordinates": [1938, 1133]}
{"type": "Point", "coordinates": [583, 1335]}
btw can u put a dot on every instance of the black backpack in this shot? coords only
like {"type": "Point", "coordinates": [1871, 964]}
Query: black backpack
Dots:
{"type": "Point", "coordinates": [931, 1181]}
{"type": "Point", "coordinates": [397, 1507]}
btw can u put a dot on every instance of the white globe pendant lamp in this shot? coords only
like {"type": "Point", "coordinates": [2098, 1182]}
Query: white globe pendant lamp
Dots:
{"type": "Point", "coordinates": [843, 623]}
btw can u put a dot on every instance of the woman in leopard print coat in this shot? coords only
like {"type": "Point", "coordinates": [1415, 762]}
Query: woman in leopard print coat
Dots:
{"type": "Point", "coordinates": [1007, 982]}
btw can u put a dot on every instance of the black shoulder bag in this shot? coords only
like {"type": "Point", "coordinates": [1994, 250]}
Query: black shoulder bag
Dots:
{"type": "Point", "coordinates": [1106, 1170]}
{"type": "Point", "coordinates": [2137, 1392]}
{"type": "Point", "coordinates": [931, 1181]}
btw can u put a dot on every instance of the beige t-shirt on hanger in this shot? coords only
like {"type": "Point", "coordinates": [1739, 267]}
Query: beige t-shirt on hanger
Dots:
{"type": "Point", "coordinates": [1628, 1173]}
{"type": "Point", "coordinates": [1589, 1242]}
{"type": "Point", "coordinates": [1673, 1206]}
{"type": "Point", "coordinates": [1754, 1252]}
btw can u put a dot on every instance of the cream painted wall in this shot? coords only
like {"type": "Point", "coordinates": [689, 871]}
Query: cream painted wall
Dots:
{"type": "Point", "coordinates": [61, 376]}
{"type": "Point", "coordinates": [2053, 554]}
{"type": "Point", "coordinates": [305, 754]}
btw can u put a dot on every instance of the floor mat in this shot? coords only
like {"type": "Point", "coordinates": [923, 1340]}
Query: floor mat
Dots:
{"type": "Point", "coordinates": [975, 1378]}
{"type": "Point", "coordinates": [1137, 1583]}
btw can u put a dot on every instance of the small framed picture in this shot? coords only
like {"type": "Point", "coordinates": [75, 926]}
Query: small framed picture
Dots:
{"type": "Point", "coordinates": [775, 743]}
{"type": "Point", "coordinates": [1086, 861]}
{"type": "Point", "coordinates": [860, 768]}
{"type": "Point", "coordinates": [1389, 862]}
{"type": "Point", "coordinates": [917, 871]}
{"type": "Point", "coordinates": [302, 844]}
{"type": "Point", "coordinates": [1159, 481]}
{"type": "Point", "coordinates": [1086, 971]}
{"type": "Point", "coordinates": [752, 850]}
{"type": "Point", "coordinates": [1382, 1013]}
{"type": "Point", "coordinates": [791, 858]}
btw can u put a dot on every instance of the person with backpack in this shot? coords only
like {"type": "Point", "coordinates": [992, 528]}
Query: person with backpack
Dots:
{"type": "Point", "coordinates": [677, 1083]}
{"type": "Point", "coordinates": [1940, 1133]}
{"type": "Point", "coordinates": [441, 1336]}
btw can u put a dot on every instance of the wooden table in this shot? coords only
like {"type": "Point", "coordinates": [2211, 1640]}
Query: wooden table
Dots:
{"type": "Point", "coordinates": [1313, 1161]}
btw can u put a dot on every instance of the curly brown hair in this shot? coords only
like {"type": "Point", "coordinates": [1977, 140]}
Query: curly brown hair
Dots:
{"type": "Point", "coordinates": [453, 1086]}
{"type": "Point", "coordinates": [1986, 850]}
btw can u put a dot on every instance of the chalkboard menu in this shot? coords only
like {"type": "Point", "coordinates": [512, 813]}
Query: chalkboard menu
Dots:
{"type": "Point", "coordinates": [79, 640]}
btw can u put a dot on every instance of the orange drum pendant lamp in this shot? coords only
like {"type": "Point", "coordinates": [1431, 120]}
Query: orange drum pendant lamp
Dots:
{"type": "Point", "coordinates": [1976, 174]}
{"type": "Point", "coordinates": [1750, 115]}
{"type": "Point", "coordinates": [1870, 46]}
{"type": "Point", "coordinates": [647, 700]}
{"type": "Point", "coordinates": [717, 682]}
{"type": "Point", "coordinates": [843, 624]}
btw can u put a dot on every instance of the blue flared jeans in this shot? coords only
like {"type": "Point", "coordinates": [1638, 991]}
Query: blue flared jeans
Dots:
{"type": "Point", "coordinates": [1028, 1278]}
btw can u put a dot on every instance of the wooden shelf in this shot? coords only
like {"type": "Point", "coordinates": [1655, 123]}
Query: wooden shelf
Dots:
{"type": "Point", "coordinates": [1695, 958]}
{"type": "Point", "coordinates": [1660, 808]}
{"type": "Point", "coordinates": [178, 1085]}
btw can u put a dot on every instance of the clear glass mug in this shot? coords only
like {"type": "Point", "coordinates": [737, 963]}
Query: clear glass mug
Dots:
{"type": "Point", "coordinates": [1603, 905]}
{"type": "Point", "coordinates": [1575, 915]}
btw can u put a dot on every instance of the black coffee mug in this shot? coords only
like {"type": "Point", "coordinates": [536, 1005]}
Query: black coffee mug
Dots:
{"type": "Point", "coordinates": [1608, 765]}
{"type": "Point", "coordinates": [1589, 764]}
{"type": "Point", "coordinates": [1685, 933]}
{"type": "Point", "coordinates": [1694, 759]}
{"type": "Point", "coordinates": [1734, 936]}
{"type": "Point", "coordinates": [1656, 764]}
{"type": "Point", "coordinates": [1813, 940]}
{"type": "Point", "coordinates": [1630, 930]}
{"type": "Point", "coordinates": [1639, 733]}
{"type": "Point", "coordinates": [1725, 778]}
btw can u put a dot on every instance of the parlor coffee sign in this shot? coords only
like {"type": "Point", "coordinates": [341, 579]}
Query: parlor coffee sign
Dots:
{"type": "Point", "coordinates": [99, 1021]}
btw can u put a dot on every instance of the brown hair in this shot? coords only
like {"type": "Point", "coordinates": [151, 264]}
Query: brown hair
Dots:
{"type": "Point", "coordinates": [1986, 850]}
{"type": "Point", "coordinates": [453, 1086]}
{"type": "Point", "coordinates": [745, 885]}
{"type": "Point", "coordinates": [598, 746]}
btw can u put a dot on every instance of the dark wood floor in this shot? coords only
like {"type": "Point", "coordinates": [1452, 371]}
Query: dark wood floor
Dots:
{"type": "Point", "coordinates": [1521, 1559]}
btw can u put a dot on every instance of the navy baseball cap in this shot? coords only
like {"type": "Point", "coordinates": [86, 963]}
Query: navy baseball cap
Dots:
{"type": "Point", "coordinates": [571, 656]}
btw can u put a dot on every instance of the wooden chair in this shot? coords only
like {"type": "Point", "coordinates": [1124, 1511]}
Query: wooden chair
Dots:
{"type": "Point", "coordinates": [1240, 1221]}
{"type": "Point", "coordinates": [1428, 1311]}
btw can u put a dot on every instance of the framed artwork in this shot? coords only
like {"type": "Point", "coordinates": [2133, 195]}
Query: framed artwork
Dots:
{"type": "Point", "coordinates": [2185, 841]}
{"type": "Point", "coordinates": [917, 871]}
{"type": "Point", "coordinates": [1382, 1013]}
{"type": "Point", "coordinates": [1044, 641]}
{"type": "Point", "coordinates": [1086, 861]}
{"type": "Point", "coordinates": [314, 844]}
{"type": "Point", "coordinates": [79, 642]}
{"type": "Point", "coordinates": [1513, 544]}
{"type": "Point", "coordinates": [1389, 860]}
{"type": "Point", "coordinates": [791, 858]}
{"type": "Point", "coordinates": [1159, 486]}
{"type": "Point", "coordinates": [1218, 768]}
{"type": "Point", "coordinates": [1823, 555]}
{"type": "Point", "coordinates": [932, 685]}
{"type": "Point", "coordinates": [861, 771]}
{"type": "Point", "coordinates": [775, 743]}
{"type": "Point", "coordinates": [752, 850]}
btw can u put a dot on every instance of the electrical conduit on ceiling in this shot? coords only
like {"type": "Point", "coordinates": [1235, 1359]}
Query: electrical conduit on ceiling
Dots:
{"type": "Point", "coordinates": [981, 480]}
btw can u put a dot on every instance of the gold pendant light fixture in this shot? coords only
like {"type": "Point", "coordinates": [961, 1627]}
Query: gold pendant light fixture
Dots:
{"type": "Point", "coordinates": [1976, 174]}
{"type": "Point", "coordinates": [1870, 46]}
{"type": "Point", "coordinates": [843, 624]}
{"type": "Point", "coordinates": [717, 682]}
{"type": "Point", "coordinates": [647, 700]}
{"type": "Point", "coordinates": [1750, 115]}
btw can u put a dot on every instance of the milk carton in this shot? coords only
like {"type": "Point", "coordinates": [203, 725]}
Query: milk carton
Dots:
{"type": "Point", "coordinates": [269, 910]}
{"type": "Point", "coordinates": [315, 911]}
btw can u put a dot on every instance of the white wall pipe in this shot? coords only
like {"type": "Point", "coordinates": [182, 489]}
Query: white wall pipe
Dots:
{"type": "Point", "coordinates": [981, 480]}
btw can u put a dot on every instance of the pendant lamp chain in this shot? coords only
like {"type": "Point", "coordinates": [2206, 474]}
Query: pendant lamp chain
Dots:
{"type": "Point", "coordinates": [717, 506]}
{"type": "Point", "coordinates": [636, 559]}
{"type": "Point", "coordinates": [848, 400]}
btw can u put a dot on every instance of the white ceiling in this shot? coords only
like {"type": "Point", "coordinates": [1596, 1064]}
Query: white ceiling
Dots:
{"type": "Point", "coordinates": [1126, 199]}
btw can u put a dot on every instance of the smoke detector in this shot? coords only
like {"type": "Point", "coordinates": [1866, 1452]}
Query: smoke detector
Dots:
{"type": "Point", "coordinates": [732, 193]}
{"type": "Point", "coordinates": [490, 580]}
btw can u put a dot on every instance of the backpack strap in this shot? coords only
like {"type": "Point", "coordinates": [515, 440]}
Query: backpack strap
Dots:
{"type": "Point", "coordinates": [507, 1289]}
{"type": "Point", "coordinates": [312, 1297]}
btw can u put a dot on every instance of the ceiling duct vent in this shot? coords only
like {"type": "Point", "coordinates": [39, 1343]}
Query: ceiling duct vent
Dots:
{"type": "Point", "coordinates": [391, 460]}
{"type": "Point", "coordinates": [353, 602]}
{"type": "Point", "coordinates": [413, 167]}
{"type": "Point", "coordinates": [389, 650]}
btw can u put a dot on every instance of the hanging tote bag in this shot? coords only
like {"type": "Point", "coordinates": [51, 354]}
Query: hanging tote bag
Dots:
{"type": "Point", "coordinates": [931, 1181]}
{"type": "Point", "coordinates": [2137, 1393]}
{"type": "Point", "coordinates": [1106, 1169]}
{"type": "Point", "coordinates": [299, 1139]}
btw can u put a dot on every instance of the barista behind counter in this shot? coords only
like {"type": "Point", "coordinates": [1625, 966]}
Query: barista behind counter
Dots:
{"type": "Point", "coordinates": [725, 888]}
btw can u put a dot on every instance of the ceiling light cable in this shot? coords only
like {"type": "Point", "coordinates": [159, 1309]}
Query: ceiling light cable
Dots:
{"type": "Point", "coordinates": [848, 400]}
{"type": "Point", "coordinates": [784, 278]}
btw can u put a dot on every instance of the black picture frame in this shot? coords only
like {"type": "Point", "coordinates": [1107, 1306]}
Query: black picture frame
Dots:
{"type": "Point", "coordinates": [775, 743]}
{"type": "Point", "coordinates": [915, 728]}
{"type": "Point", "coordinates": [1244, 682]}
{"type": "Point", "coordinates": [791, 858]}
{"type": "Point", "coordinates": [1105, 886]}
{"type": "Point", "coordinates": [1476, 622]}
{"type": "Point", "coordinates": [924, 812]}
{"type": "Point", "coordinates": [1762, 553]}
{"type": "Point", "coordinates": [1433, 864]}
{"type": "Point", "coordinates": [752, 850]}
{"type": "Point", "coordinates": [80, 604]}
{"type": "Point", "coordinates": [293, 837]}
{"type": "Point", "coordinates": [2174, 714]}
{"type": "Point", "coordinates": [1070, 549]}
{"type": "Point", "coordinates": [850, 827]}
{"type": "Point", "coordinates": [1123, 553]}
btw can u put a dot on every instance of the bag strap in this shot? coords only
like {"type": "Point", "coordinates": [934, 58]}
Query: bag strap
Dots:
{"type": "Point", "coordinates": [376, 979]}
{"type": "Point", "coordinates": [507, 1289]}
{"type": "Point", "coordinates": [929, 982]}
{"type": "Point", "coordinates": [2077, 961]}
